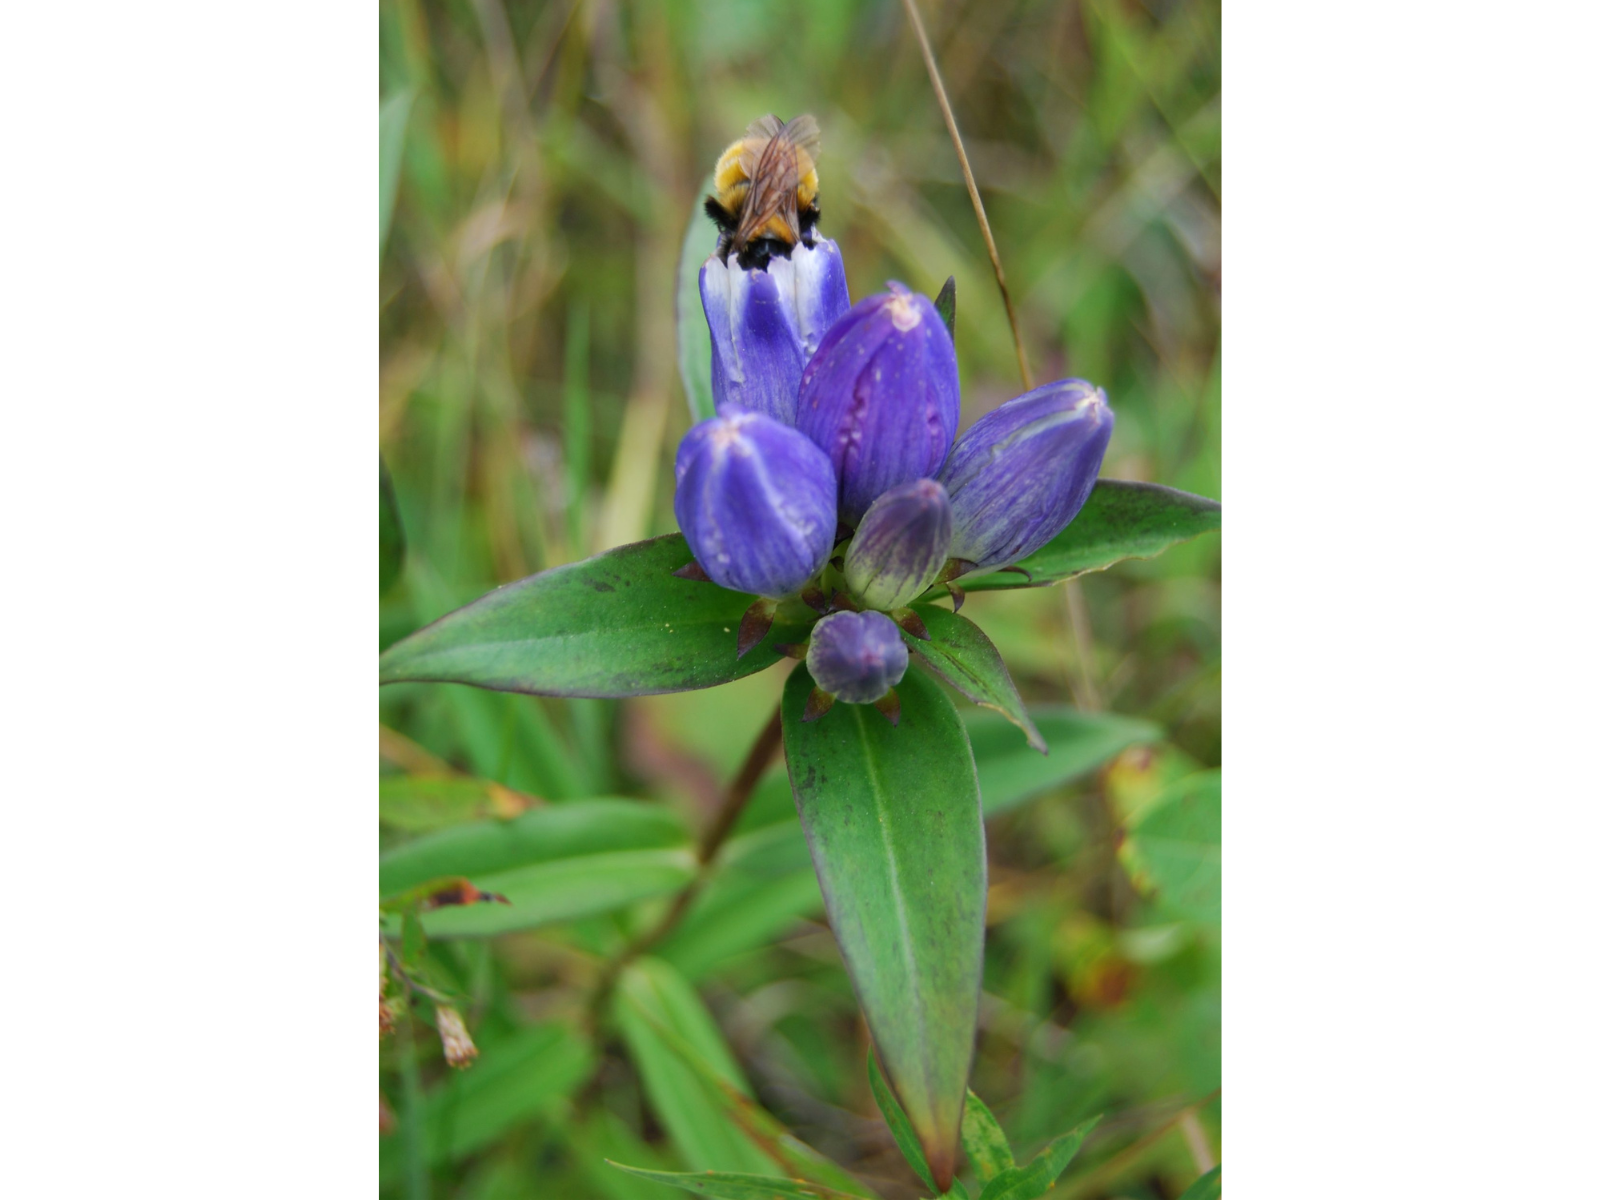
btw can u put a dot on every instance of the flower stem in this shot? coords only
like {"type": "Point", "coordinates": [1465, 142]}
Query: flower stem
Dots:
{"type": "Point", "coordinates": [972, 187]}
{"type": "Point", "coordinates": [733, 803]}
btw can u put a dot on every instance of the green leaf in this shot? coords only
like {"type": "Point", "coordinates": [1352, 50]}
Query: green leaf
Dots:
{"type": "Point", "coordinates": [511, 739]}
{"type": "Point", "coordinates": [1207, 1187]}
{"type": "Point", "coordinates": [617, 624]}
{"type": "Point", "coordinates": [1121, 520]}
{"type": "Point", "coordinates": [984, 1141]}
{"type": "Point", "coordinates": [576, 829]}
{"type": "Point", "coordinates": [1176, 848]}
{"type": "Point", "coordinates": [393, 114]}
{"type": "Point", "coordinates": [899, 1124]}
{"type": "Point", "coordinates": [1009, 773]}
{"type": "Point", "coordinates": [760, 1126]}
{"type": "Point", "coordinates": [694, 338]}
{"type": "Point", "coordinates": [565, 891]}
{"type": "Point", "coordinates": [962, 655]}
{"type": "Point", "coordinates": [763, 884]}
{"type": "Point", "coordinates": [895, 827]}
{"type": "Point", "coordinates": [515, 1079]}
{"type": "Point", "coordinates": [734, 1186]}
{"type": "Point", "coordinates": [419, 803]}
{"type": "Point", "coordinates": [945, 303]}
{"type": "Point", "coordinates": [601, 1137]}
{"type": "Point", "coordinates": [551, 864]}
{"type": "Point", "coordinates": [391, 534]}
{"type": "Point", "coordinates": [651, 994]}
{"type": "Point", "coordinates": [1033, 1180]}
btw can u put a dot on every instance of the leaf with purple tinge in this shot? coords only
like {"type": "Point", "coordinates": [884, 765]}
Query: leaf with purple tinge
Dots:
{"type": "Point", "coordinates": [895, 827]}
{"type": "Point", "coordinates": [962, 655]}
{"type": "Point", "coordinates": [899, 1124]}
{"type": "Point", "coordinates": [618, 624]}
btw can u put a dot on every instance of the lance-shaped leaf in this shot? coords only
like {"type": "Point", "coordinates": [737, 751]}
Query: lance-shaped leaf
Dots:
{"type": "Point", "coordinates": [419, 803]}
{"type": "Point", "coordinates": [550, 864]}
{"type": "Point", "coordinates": [895, 828]}
{"type": "Point", "coordinates": [618, 624]}
{"type": "Point", "coordinates": [392, 117]}
{"type": "Point", "coordinates": [899, 1124]}
{"type": "Point", "coordinates": [1175, 848]}
{"type": "Point", "coordinates": [984, 1141]}
{"type": "Point", "coordinates": [651, 996]}
{"type": "Point", "coordinates": [1009, 773]}
{"type": "Point", "coordinates": [515, 1080]}
{"type": "Point", "coordinates": [1207, 1187]}
{"type": "Point", "coordinates": [730, 1185]}
{"type": "Point", "coordinates": [1121, 520]}
{"type": "Point", "coordinates": [762, 884]}
{"type": "Point", "coordinates": [962, 655]}
{"type": "Point", "coordinates": [391, 533]}
{"type": "Point", "coordinates": [1035, 1179]}
{"type": "Point", "coordinates": [737, 1109]}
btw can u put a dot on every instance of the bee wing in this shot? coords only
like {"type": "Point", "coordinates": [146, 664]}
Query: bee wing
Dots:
{"type": "Point", "coordinates": [761, 131]}
{"type": "Point", "coordinates": [764, 128]}
{"type": "Point", "coordinates": [803, 132]}
{"type": "Point", "coordinates": [772, 186]}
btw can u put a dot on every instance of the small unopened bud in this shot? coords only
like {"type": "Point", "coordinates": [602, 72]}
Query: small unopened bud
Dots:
{"type": "Point", "coordinates": [756, 502]}
{"type": "Point", "coordinates": [453, 1036]}
{"type": "Point", "coordinates": [882, 397]}
{"type": "Point", "coordinates": [856, 657]}
{"type": "Point", "coordinates": [900, 546]}
{"type": "Point", "coordinates": [1022, 472]}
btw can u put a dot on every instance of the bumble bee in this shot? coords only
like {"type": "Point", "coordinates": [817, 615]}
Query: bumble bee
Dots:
{"type": "Point", "coordinates": [766, 191]}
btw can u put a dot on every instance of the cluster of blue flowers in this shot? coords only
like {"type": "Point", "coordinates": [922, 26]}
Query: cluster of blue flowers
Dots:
{"type": "Point", "coordinates": [838, 421]}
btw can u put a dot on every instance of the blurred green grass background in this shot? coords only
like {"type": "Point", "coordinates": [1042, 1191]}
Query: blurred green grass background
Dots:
{"type": "Point", "coordinates": [546, 159]}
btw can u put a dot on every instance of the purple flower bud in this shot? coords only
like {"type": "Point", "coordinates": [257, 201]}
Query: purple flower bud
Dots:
{"type": "Point", "coordinates": [881, 396]}
{"type": "Point", "coordinates": [765, 324]}
{"type": "Point", "coordinates": [755, 500]}
{"type": "Point", "coordinates": [857, 657]}
{"type": "Point", "coordinates": [901, 545]}
{"type": "Point", "coordinates": [1022, 472]}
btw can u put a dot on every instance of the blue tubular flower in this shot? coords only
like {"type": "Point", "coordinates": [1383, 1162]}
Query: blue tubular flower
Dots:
{"type": "Point", "coordinates": [881, 396]}
{"type": "Point", "coordinates": [1022, 472]}
{"type": "Point", "coordinates": [765, 324]}
{"type": "Point", "coordinates": [901, 545]}
{"type": "Point", "coordinates": [755, 500]}
{"type": "Point", "coordinates": [856, 657]}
